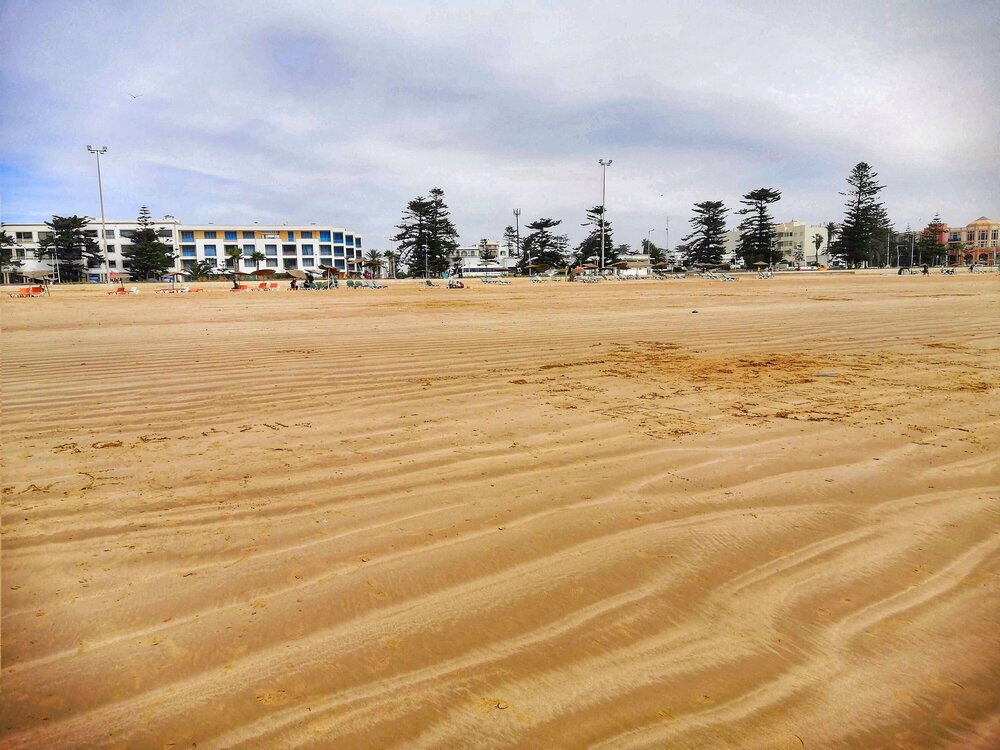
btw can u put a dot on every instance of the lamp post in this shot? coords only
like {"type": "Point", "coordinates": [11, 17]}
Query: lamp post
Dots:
{"type": "Point", "coordinates": [100, 192]}
{"type": "Point", "coordinates": [517, 234]}
{"type": "Point", "coordinates": [604, 188]}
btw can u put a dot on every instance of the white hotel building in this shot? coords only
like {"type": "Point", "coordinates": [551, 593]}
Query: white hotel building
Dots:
{"type": "Point", "coordinates": [284, 246]}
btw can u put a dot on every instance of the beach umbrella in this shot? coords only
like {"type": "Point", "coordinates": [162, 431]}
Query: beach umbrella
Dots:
{"type": "Point", "coordinates": [121, 276]}
{"type": "Point", "coordinates": [174, 274]}
{"type": "Point", "coordinates": [296, 273]}
{"type": "Point", "coordinates": [761, 263]}
{"type": "Point", "coordinates": [42, 276]}
{"type": "Point", "coordinates": [264, 272]}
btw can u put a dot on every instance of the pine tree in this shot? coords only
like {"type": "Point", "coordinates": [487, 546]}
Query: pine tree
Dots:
{"type": "Point", "coordinates": [708, 234]}
{"type": "Point", "coordinates": [69, 246]}
{"type": "Point", "coordinates": [865, 218]}
{"type": "Point", "coordinates": [542, 246]}
{"type": "Point", "coordinates": [589, 251]}
{"type": "Point", "coordinates": [932, 250]}
{"type": "Point", "coordinates": [510, 241]}
{"type": "Point", "coordinates": [147, 256]}
{"type": "Point", "coordinates": [758, 238]}
{"type": "Point", "coordinates": [427, 237]}
{"type": "Point", "coordinates": [9, 263]}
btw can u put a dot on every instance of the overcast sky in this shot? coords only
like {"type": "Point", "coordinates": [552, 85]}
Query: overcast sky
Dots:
{"type": "Point", "coordinates": [339, 112]}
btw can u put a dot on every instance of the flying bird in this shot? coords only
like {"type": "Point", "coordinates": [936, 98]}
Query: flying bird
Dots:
{"type": "Point", "coordinates": [135, 96]}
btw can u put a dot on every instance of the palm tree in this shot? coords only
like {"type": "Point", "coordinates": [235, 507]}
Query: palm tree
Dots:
{"type": "Point", "coordinates": [201, 269]}
{"type": "Point", "coordinates": [818, 242]}
{"type": "Point", "coordinates": [257, 256]}
{"type": "Point", "coordinates": [376, 260]}
{"type": "Point", "coordinates": [232, 251]}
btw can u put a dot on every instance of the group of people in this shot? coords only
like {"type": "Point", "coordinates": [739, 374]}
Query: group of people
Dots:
{"type": "Point", "coordinates": [310, 283]}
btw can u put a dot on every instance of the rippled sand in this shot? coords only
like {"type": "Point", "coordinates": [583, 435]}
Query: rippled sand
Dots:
{"type": "Point", "coordinates": [530, 516]}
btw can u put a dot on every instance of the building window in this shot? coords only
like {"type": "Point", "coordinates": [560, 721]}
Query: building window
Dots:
{"type": "Point", "coordinates": [970, 236]}
{"type": "Point", "coordinates": [187, 251]}
{"type": "Point", "coordinates": [325, 250]}
{"type": "Point", "coordinates": [339, 264]}
{"type": "Point", "coordinates": [210, 251]}
{"type": "Point", "coordinates": [291, 236]}
{"type": "Point", "coordinates": [339, 252]}
{"type": "Point", "coordinates": [307, 249]}
{"type": "Point", "coordinates": [249, 250]}
{"type": "Point", "coordinates": [112, 264]}
{"type": "Point", "coordinates": [324, 236]}
{"type": "Point", "coordinates": [982, 235]}
{"type": "Point", "coordinates": [338, 237]}
{"type": "Point", "coordinates": [127, 234]}
{"type": "Point", "coordinates": [288, 249]}
{"type": "Point", "coordinates": [24, 236]}
{"type": "Point", "coordinates": [349, 241]}
{"type": "Point", "coordinates": [187, 236]}
{"type": "Point", "coordinates": [109, 234]}
{"type": "Point", "coordinates": [112, 249]}
{"type": "Point", "coordinates": [248, 235]}
{"type": "Point", "coordinates": [230, 236]}
{"type": "Point", "coordinates": [291, 263]}
{"type": "Point", "coordinates": [271, 262]}
{"type": "Point", "coordinates": [270, 249]}
{"type": "Point", "coordinates": [307, 235]}
{"type": "Point", "coordinates": [357, 242]}
{"type": "Point", "coordinates": [209, 235]}
{"type": "Point", "coordinates": [165, 233]}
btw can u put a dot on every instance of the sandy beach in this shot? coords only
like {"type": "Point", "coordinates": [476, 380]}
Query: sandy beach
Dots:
{"type": "Point", "coordinates": [535, 516]}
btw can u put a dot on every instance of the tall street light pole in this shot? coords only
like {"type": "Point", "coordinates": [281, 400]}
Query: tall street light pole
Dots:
{"type": "Point", "coordinates": [517, 234]}
{"type": "Point", "coordinates": [100, 191]}
{"type": "Point", "coordinates": [604, 189]}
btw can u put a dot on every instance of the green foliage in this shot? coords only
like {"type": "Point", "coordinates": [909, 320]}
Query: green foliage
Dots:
{"type": "Point", "coordinates": [511, 242]}
{"type": "Point", "coordinates": [9, 263]}
{"type": "Point", "coordinates": [758, 238]}
{"type": "Point", "coordinates": [931, 249]}
{"type": "Point", "coordinates": [708, 234]}
{"type": "Point", "coordinates": [69, 246]}
{"type": "Point", "coordinates": [866, 223]}
{"type": "Point", "coordinates": [147, 257]}
{"type": "Point", "coordinates": [542, 246]}
{"type": "Point", "coordinates": [486, 254]}
{"type": "Point", "coordinates": [201, 269]}
{"type": "Point", "coordinates": [589, 251]}
{"type": "Point", "coordinates": [656, 254]}
{"type": "Point", "coordinates": [234, 254]}
{"type": "Point", "coordinates": [257, 256]}
{"type": "Point", "coordinates": [427, 237]}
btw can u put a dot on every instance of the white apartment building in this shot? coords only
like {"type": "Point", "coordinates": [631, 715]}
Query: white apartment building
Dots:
{"type": "Point", "coordinates": [283, 246]}
{"type": "Point", "coordinates": [467, 259]}
{"type": "Point", "coordinates": [792, 236]}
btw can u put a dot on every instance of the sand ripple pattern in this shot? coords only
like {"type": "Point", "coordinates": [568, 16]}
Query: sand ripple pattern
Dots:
{"type": "Point", "coordinates": [529, 516]}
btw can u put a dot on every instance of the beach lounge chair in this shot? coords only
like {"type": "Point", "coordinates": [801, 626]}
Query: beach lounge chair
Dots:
{"type": "Point", "coordinates": [123, 290]}
{"type": "Point", "coordinates": [29, 291]}
{"type": "Point", "coordinates": [273, 286]}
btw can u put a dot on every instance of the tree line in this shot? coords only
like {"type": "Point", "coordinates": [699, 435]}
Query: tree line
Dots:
{"type": "Point", "coordinates": [428, 239]}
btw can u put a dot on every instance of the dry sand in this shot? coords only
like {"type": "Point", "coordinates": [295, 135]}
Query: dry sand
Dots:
{"type": "Point", "coordinates": [555, 516]}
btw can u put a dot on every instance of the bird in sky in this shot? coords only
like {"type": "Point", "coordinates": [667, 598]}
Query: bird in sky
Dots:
{"type": "Point", "coordinates": [135, 96]}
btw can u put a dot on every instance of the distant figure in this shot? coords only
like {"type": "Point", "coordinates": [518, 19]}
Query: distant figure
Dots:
{"type": "Point", "coordinates": [926, 271]}
{"type": "Point", "coordinates": [309, 281]}
{"type": "Point", "coordinates": [236, 284]}
{"type": "Point", "coordinates": [294, 285]}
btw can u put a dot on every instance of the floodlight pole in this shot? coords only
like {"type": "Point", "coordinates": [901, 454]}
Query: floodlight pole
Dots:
{"type": "Point", "coordinates": [100, 192]}
{"type": "Point", "coordinates": [604, 189]}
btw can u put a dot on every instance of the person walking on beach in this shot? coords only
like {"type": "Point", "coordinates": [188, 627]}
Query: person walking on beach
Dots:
{"type": "Point", "coordinates": [294, 285]}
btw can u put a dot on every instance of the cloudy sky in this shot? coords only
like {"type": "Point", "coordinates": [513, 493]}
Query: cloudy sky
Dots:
{"type": "Point", "coordinates": [339, 112]}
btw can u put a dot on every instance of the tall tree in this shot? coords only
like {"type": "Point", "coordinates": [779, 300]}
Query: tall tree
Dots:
{"type": "Point", "coordinates": [375, 258]}
{"type": "Point", "coordinates": [817, 243]}
{"type": "Point", "coordinates": [932, 249]}
{"type": "Point", "coordinates": [865, 218]}
{"type": "Point", "coordinates": [234, 253]}
{"type": "Point", "coordinates": [758, 238]}
{"type": "Point", "coordinates": [427, 237]}
{"type": "Point", "coordinates": [708, 233]}
{"type": "Point", "coordinates": [831, 232]}
{"type": "Point", "coordinates": [256, 256]}
{"type": "Point", "coordinates": [510, 241]}
{"type": "Point", "coordinates": [486, 253]}
{"type": "Point", "coordinates": [392, 258]}
{"type": "Point", "coordinates": [201, 269]}
{"type": "Point", "coordinates": [9, 262]}
{"type": "Point", "coordinates": [655, 253]}
{"type": "Point", "coordinates": [147, 256]}
{"type": "Point", "coordinates": [589, 251]}
{"type": "Point", "coordinates": [69, 245]}
{"type": "Point", "coordinates": [542, 245]}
